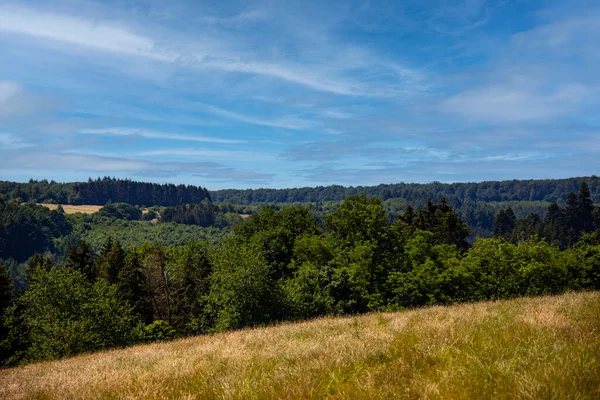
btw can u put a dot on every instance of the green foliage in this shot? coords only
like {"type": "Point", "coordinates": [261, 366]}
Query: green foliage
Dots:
{"type": "Point", "coordinates": [120, 211]}
{"type": "Point", "coordinates": [548, 190]}
{"type": "Point", "coordinates": [5, 300]}
{"type": "Point", "coordinates": [202, 214]}
{"type": "Point", "coordinates": [27, 229]}
{"type": "Point", "coordinates": [441, 220]}
{"type": "Point", "coordinates": [504, 223]}
{"type": "Point", "coordinates": [430, 275]}
{"type": "Point", "coordinates": [275, 232]}
{"type": "Point", "coordinates": [131, 284]}
{"type": "Point", "coordinates": [80, 258]}
{"type": "Point", "coordinates": [156, 331]}
{"type": "Point", "coordinates": [110, 261]}
{"type": "Point", "coordinates": [117, 281]}
{"type": "Point", "coordinates": [136, 233]}
{"type": "Point", "coordinates": [242, 291]}
{"type": "Point", "coordinates": [357, 220]}
{"type": "Point", "coordinates": [62, 314]}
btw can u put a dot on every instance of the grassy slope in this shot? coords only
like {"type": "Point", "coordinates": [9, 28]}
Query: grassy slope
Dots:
{"type": "Point", "coordinates": [528, 348]}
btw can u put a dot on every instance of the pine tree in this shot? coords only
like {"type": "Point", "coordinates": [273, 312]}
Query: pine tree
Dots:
{"type": "Point", "coordinates": [80, 258]}
{"type": "Point", "coordinates": [504, 223]}
{"type": "Point", "coordinates": [131, 285]}
{"type": "Point", "coordinates": [409, 215]}
{"type": "Point", "coordinates": [586, 209]}
{"type": "Point", "coordinates": [5, 291]}
{"type": "Point", "coordinates": [110, 261]}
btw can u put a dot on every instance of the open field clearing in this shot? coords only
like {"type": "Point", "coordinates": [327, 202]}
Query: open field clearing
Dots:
{"type": "Point", "coordinates": [532, 348]}
{"type": "Point", "coordinates": [71, 209]}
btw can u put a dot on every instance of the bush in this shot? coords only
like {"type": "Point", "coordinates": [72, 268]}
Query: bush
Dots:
{"type": "Point", "coordinates": [157, 330]}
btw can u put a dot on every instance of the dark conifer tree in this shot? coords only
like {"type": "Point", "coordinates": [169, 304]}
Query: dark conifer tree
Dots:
{"type": "Point", "coordinates": [586, 209]}
{"type": "Point", "coordinates": [5, 291]}
{"type": "Point", "coordinates": [409, 215]}
{"type": "Point", "coordinates": [110, 261]}
{"type": "Point", "coordinates": [38, 261]}
{"type": "Point", "coordinates": [81, 259]}
{"type": "Point", "coordinates": [504, 223]}
{"type": "Point", "coordinates": [132, 286]}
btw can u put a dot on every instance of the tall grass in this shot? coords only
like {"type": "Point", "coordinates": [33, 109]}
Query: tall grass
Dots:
{"type": "Point", "coordinates": [535, 348]}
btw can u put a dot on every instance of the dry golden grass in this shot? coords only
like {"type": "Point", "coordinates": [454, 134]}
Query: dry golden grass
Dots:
{"type": "Point", "coordinates": [70, 209]}
{"type": "Point", "coordinates": [536, 348]}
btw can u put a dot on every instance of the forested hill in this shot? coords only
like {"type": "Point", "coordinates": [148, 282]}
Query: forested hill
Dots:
{"type": "Point", "coordinates": [550, 190]}
{"type": "Point", "coordinates": [104, 190]}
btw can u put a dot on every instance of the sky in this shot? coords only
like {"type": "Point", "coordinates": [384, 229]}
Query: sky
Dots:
{"type": "Point", "coordinates": [248, 94]}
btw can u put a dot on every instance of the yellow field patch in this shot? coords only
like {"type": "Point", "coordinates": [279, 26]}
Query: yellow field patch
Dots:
{"type": "Point", "coordinates": [71, 209]}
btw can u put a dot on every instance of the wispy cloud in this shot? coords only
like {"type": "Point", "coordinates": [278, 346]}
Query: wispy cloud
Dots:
{"type": "Point", "coordinates": [290, 122]}
{"type": "Point", "coordinates": [16, 102]}
{"type": "Point", "coordinates": [375, 91]}
{"type": "Point", "coordinates": [117, 37]}
{"type": "Point", "coordinates": [516, 102]}
{"type": "Point", "coordinates": [149, 134]}
{"type": "Point", "coordinates": [79, 31]}
{"type": "Point", "coordinates": [94, 163]}
{"type": "Point", "coordinates": [210, 154]}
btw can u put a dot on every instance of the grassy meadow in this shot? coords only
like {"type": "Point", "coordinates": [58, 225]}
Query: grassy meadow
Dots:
{"type": "Point", "coordinates": [532, 348]}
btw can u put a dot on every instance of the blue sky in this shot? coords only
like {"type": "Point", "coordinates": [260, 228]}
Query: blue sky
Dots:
{"type": "Point", "coordinates": [286, 94]}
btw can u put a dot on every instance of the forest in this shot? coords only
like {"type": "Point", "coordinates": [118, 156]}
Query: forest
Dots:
{"type": "Point", "coordinates": [73, 284]}
{"type": "Point", "coordinates": [476, 203]}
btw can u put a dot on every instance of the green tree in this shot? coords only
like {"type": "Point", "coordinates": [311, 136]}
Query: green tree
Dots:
{"type": "Point", "coordinates": [62, 314]}
{"type": "Point", "coordinates": [585, 205]}
{"type": "Point", "coordinates": [110, 261]}
{"type": "Point", "coordinates": [131, 284]}
{"type": "Point", "coordinates": [430, 275]}
{"type": "Point", "coordinates": [492, 266]}
{"type": "Point", "coordinates": [358, 220]}
{"type": "Point", "coordinates": [195, 269]}
{"type": "Point", "coordinates": [5, 300]}
{"type": "Point", "coordinates": [275, 233]}
{"type": "Point", "coordinates": [242, 291]}
{"type": "Point", "coordinates": [505, 223]}
{"type": "Point", "coordinates": [80, 259]}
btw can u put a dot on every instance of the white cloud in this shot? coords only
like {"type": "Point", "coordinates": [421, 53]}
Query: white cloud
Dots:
{"type": "Point", "coordinates": [79, 31]}
{"type": "Point", "coordinates": [17, 102]}
{"type": "Point", "coordinates": [286, 123]}
{"type": "Point", "coordinates": [327, 70]}
{"type": "Point", "coordinates": [149, 134]}
{"type": "Point", "coordinates": [212, 154]}
{"type": "Point", "coordinates": [8, 90]}
{"type": "Point", "coordinates": [94, 163]}
{"type": "Point", "coordinates": [514, 103]}
{"type": "Point", "coordinates": [562, 33]}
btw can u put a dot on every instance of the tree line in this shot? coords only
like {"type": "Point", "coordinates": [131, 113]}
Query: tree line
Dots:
{"type": "Point", "coordinates": [550, 190]}
{"type": "Point", "coordinates": [104, 190]}
{"type": "Point", "coordinates": [278, 265]}
{"type": "Point", "coordinates": [561, 226]}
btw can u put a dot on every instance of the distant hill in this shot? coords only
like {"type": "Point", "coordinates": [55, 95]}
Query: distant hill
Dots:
{"type": "Point", "coordinates": [534, 348]}
{"type": "Point", "coordinates": [548, 190]}
{"type": "Point", "coordinates": [103, 190]}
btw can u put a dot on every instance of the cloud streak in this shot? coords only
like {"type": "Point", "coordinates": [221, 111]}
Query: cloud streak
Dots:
{"type": "Point", "coordinates": [93, 163]}
{"type": "Point", "coordinates": [116, 37]}
{"type": "Point", "coordinates": [149, 134]}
